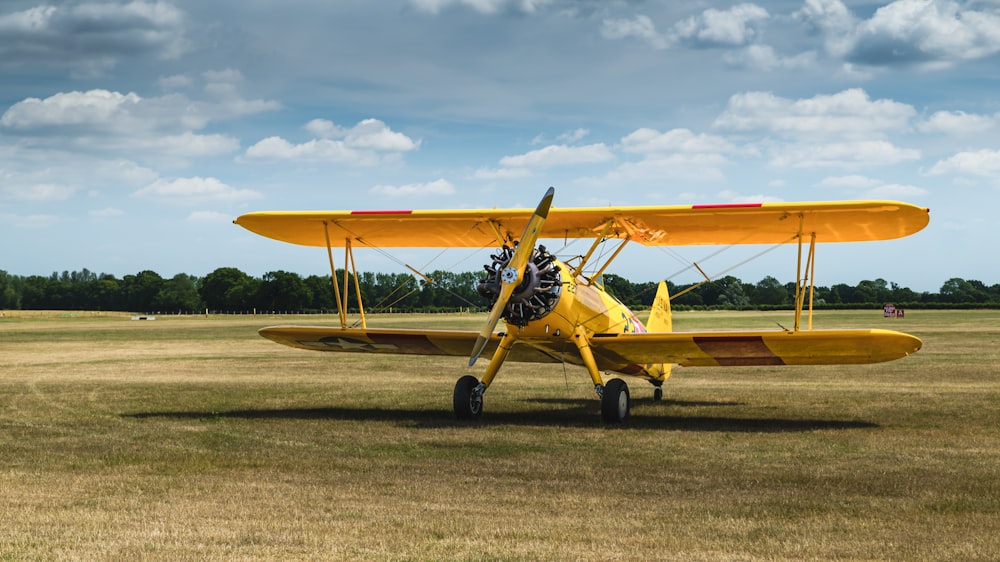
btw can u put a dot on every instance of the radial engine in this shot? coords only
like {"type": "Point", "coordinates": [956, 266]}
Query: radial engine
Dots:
{"type": "Point", "coordinates": [537, 293]}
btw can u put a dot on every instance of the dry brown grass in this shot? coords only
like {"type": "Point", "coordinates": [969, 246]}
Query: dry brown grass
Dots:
{"type": "Point", "coordinates": [193, 438]}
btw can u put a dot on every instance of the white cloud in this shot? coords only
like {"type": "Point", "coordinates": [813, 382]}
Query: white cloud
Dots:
{"type": "Point", "coordinates": [847, 114]}
{"type": "Point", "coordinates": [763, 57]}
{"type": "Point", "coordinates": [194, 190]}
{"type": "Point", "coordinates": [439, 187]}
{"type": "Point", "coordinates": [559, 155]}
{"type": "Point", "coordinates": [573, 136]}
{"type": "Point", "coordinates": [957, 123]}
{"type": "Point", "coordinates": [324, 128]}
{"type": "Point", "coordinates": [849, 155]}
{"type": "Point", "coordinates": [158, 128]}
{"type": "Point", "coordinates": [92, 37]}
{"type": "Point", "coordinates": [720, 28]}
{"type": "Point", "coordinates": [931, 33]}
{"type": "Point", "coordinates": [500, 173]}
{"type": "Point", "coordinates": [366, 144]}
{"type": "Point", "coordinates": [982, 163]}
{"type": "Point", "coordinates": [640, 27]}
{"type": "Point", "coordinates": [647, 141]}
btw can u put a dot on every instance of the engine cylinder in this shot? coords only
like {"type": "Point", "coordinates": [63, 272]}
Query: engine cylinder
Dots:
{"type": "Point", "coordinates": [537, 293]}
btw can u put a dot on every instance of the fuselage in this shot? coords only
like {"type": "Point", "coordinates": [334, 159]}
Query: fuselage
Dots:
{"type": "Point", "coordinates": [583, 302]}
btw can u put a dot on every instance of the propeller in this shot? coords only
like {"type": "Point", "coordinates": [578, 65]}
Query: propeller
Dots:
{"type": "Point", "coordinates": [512, 275]}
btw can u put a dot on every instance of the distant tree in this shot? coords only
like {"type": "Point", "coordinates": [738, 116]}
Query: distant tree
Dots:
{"type": "Point", "coordinates": [180, 293]}
{"type": "Point", "coordinates": [771, 291]}
{"type": "Point", "coordinates": [321, 288]}
{"type": "Point", "coordinates": [228, 289]}
{"type": "Point", "coordinates": [282, 290]}
{"type": "Point", "coordinates": [727, 291]}
{"type": "Point", "coordinates": [140, 290]}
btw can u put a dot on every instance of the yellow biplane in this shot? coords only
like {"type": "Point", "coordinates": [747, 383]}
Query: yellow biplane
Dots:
{"type": "Point", "coordinates": [556, 313]}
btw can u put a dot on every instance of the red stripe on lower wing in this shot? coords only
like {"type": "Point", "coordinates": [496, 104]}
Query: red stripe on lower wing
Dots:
{"type": "Point", "coordinates": [738, 351]}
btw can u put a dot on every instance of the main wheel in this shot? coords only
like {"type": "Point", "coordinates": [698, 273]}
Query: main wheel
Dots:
{"type": "Point", "coordinates": [468, 401]}
{"type": "Point", "coordinates": [658, 394]}
{"type": "Point", "coordinates": [615, 401]}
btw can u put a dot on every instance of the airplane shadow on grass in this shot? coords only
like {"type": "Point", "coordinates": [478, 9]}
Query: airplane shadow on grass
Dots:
{"type": "Point", "coordinates": [572, 413]}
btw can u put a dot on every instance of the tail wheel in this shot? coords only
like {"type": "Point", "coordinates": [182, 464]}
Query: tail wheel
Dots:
{"type": "Point", "coordinates": [468, 400]}
{"type": "Point", "coordinates": [615, 401]}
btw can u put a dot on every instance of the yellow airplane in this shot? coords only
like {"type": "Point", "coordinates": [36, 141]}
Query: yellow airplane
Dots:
{"type": "Point", "coordinates": [556, 313]}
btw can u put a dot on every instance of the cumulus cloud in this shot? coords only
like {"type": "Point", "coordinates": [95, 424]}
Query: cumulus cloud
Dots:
{"type": "Point", "coordinates": [559, 155]}
{"type": "Point", "coordinates": [367, 143]}
{"type": "Point", "coordinates": [957, 123]}
{"type": "Point", "coordinates": [645, 140]}
{"type": "Point", "coordinates": [732, 27]}
{"type": "Point", "coordinates": [194, 190]}
{"type": "Point", "coordinates": [981, 163]}
{"type": "Point", "coordinates": [849, 114]}
{"type": "Point", "coordinates": [720, 28]}
{"type": "Point", "coordinates": [764, 57]}
{"type": "Point", "coordinates": [439, 187]}
{"type": "Point", "coordinates": [98, 120]}
{"type": "Point", "coordinates": [500, 174]}
{"type": "Point", "coordinates": [639, 27]}
{"type": "Point", "coordinates": [931, 33]}
{"type": "Point", "coordinates": [91, 36]}
{"type": "Point", "coordinates": [849, 155]}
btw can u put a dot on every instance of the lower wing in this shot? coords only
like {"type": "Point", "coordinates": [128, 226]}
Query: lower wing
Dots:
{"type": "Point", "coordinates": [619, 352]}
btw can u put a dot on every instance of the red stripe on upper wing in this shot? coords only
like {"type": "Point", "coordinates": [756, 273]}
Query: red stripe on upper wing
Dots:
{"type": "Point", "coordinates": [727, 206]}
{"type": "Point", "coordinates": [400, 212]}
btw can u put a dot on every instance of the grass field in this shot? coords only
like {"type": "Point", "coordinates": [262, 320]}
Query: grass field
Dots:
{"type": "Point", "coordinates": [193, 438]}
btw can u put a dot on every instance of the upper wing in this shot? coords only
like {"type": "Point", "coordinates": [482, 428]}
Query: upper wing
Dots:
{"type": "Point", "coordinates": [759, 223]}
{"type": "Point", "coordinates": [620, 352]}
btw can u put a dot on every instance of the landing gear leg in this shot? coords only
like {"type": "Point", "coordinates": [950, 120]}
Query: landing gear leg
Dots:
{"type": "Point", "coordinates": [468, 398]}
{"type": "Point", "coordinates": [614, 395]}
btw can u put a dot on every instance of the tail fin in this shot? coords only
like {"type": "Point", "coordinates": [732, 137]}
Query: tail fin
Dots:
{"type": "Point", "coordinates": [660, 321]}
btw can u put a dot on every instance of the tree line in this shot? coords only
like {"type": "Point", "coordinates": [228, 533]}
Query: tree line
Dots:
{"type": "Point", "coordinates": [228, 289]}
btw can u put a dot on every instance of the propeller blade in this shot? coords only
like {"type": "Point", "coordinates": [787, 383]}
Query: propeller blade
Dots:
{"type": "Point", "coordinates": [512, 274]}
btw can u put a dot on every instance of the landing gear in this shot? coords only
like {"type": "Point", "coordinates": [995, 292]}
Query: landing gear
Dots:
{"type": "Point", "coordinates": [615, 401]}
{"type": "Point", "coordinates": [658, 394]}
{"type": "Point", "coordinates": [468, 400]}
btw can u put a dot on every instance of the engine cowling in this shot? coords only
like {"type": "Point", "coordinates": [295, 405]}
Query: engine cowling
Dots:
{"type": "Point", "coordinates": [537, 293]}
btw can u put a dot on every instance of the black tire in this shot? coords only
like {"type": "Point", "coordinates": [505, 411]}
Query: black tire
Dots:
{"type": "Point", "coordinates": [658, 394]}
{"type": "Point", "coordinates": [468, 403]}
{"type": "Point", "coordinates": [615, 402]}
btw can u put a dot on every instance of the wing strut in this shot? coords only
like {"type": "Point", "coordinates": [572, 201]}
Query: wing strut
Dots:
{"type": "Point", "coordinates": [810, 274]}
{"type": "Point", "coordinates": [333, 277]}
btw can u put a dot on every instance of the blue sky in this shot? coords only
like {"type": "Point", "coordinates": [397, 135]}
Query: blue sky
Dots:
{"type": "Point", "coordinates": [132, 133]}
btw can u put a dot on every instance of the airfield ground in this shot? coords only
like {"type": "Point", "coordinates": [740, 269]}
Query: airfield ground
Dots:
{"type": "Point", "coordinates": [193, 438]}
